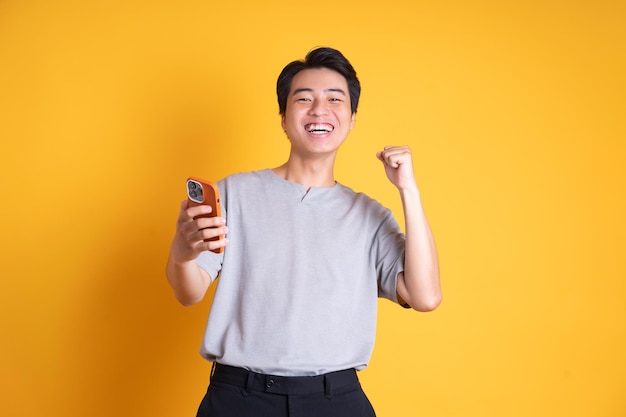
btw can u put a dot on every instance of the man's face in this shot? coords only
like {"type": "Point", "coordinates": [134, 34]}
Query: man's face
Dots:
{"type": "Point", "coordinates": [318, 116]}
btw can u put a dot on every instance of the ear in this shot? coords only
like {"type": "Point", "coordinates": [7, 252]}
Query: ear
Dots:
{"type": "Point", "coordinates": [282, 122]}
{"type": "Point", "coordinates": [352, 121]}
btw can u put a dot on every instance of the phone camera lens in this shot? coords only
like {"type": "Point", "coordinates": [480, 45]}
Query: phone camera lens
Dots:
{"type": "Point", "coordinates": [195, 191]}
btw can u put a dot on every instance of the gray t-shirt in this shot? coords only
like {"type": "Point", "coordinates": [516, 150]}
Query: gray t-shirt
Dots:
{"type": "Point", "coordinates": [300, 278]}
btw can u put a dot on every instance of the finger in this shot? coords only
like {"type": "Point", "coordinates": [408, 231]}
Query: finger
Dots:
{"type": "Point", "coordinates": [197, 211]}
{"type": "Point", "coordinates": [187, 213]}
{"type": "Point", "coordinates": [386, 154]}
{"type": "Point", "coordinates": [392, 159]}
{"type": "Point", "coordinates": [396, 155]}
{"type": "Point", "coordinates": [189, 229]}
{"type": "Point", "coordinates": [208, 222]}
{"type": "Point", "coordinates": [213, 233]}
{"type": "Point", "coordinates": [391, 150]}
{"type": "Point", "coordinates": [211, 245]}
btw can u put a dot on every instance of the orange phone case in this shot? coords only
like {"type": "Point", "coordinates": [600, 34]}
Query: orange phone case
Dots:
{"type": "Point", "coordinates": [202, 192]}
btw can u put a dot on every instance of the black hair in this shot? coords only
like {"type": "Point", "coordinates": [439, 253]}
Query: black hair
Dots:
{"type": "Point", "coordinates": [318, 58]}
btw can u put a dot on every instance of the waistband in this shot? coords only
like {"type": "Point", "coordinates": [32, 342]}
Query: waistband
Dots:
{"type": "Point", "coordinates": [285, 385]}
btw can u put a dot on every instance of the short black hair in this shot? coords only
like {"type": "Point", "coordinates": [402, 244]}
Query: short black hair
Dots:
{"type": "Point", "coordinates": [318, 58]}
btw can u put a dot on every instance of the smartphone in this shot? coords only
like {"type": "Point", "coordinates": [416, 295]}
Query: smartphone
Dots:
{"type": "Point", "coordinates": [202, 192]}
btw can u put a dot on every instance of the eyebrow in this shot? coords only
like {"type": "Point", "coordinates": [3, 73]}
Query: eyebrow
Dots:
{"type": "Point", "coordinates": [310, 90]}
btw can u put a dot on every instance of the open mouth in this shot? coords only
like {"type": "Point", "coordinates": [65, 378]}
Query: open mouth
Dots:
{"type": "Point", "coordinates": [319, 128]}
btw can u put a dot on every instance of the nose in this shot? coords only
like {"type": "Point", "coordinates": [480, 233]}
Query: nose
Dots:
{"type": "Point", "coordinates": [318, 108]}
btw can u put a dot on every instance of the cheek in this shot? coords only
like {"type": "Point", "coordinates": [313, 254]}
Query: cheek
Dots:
{"type": "Point", "coordinates": [290, 121]}
{"type": "Point", "coordinates": [289, 126]}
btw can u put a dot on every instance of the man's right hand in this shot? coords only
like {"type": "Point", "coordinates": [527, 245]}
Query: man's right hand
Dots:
{"type": "Point", "coordinates": [192, 231]}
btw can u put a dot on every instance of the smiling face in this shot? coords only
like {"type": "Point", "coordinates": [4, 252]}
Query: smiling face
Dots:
{"type": "Point", "coordinates": [318, 116]}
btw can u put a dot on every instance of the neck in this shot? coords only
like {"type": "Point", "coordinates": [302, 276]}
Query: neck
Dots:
{"type": "Point", "coordinates": [310, 173]}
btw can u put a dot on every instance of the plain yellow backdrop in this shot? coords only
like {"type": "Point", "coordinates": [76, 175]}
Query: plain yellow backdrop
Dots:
{"type": "Point", "coordinates": [514, 111]}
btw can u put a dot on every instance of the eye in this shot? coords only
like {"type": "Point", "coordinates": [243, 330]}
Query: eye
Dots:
{"type": "Point", "coordinates": [303, 99]}
{"type": "Point", "coordinates": [335, 100]}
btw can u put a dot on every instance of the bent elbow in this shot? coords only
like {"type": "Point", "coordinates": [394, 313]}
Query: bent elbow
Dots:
{"type": "Point", "coordinates": [426, 305]}
{"type": "Point", "coordinates": [188, 301]}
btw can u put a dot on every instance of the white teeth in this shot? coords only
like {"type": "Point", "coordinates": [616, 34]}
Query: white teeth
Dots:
{"type": "Point", "coordinates": [319, 128]}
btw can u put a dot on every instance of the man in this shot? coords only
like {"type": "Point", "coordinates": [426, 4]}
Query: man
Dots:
{"type": "Point", "coordinates": [305, 260]}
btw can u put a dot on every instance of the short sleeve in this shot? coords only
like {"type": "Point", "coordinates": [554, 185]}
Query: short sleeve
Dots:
{"type": "Point", "coordinates": [388, 251]}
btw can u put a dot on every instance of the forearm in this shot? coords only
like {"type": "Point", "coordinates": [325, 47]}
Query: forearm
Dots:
{"type": "Point", "coordinates": [419, 285]}
{"type": "Point", "coordinates": [188, 281]}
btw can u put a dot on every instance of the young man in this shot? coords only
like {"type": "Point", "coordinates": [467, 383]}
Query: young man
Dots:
{"type": "Point", "coordinates": [305, 259]}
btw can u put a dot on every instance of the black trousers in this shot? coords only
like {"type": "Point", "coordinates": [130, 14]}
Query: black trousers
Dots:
{"type": "Point", "coordinates": [235, 392]}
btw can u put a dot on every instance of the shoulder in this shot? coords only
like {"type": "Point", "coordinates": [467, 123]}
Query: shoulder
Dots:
{"type": "Point", "coordinates": [362, 201]}
{"type": "Point", "coordinates": [244, 179]}
{"type": "Point", "coordinates": [357, 196]}
{"type": "Point", "coordinates": [244, 185]}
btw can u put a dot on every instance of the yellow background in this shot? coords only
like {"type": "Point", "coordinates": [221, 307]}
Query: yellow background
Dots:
{"type": "Point", "coordinates": [515, 112]}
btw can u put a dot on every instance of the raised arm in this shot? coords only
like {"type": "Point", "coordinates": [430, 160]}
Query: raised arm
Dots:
{"type": "Point", "coordinates": [419, 284]}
